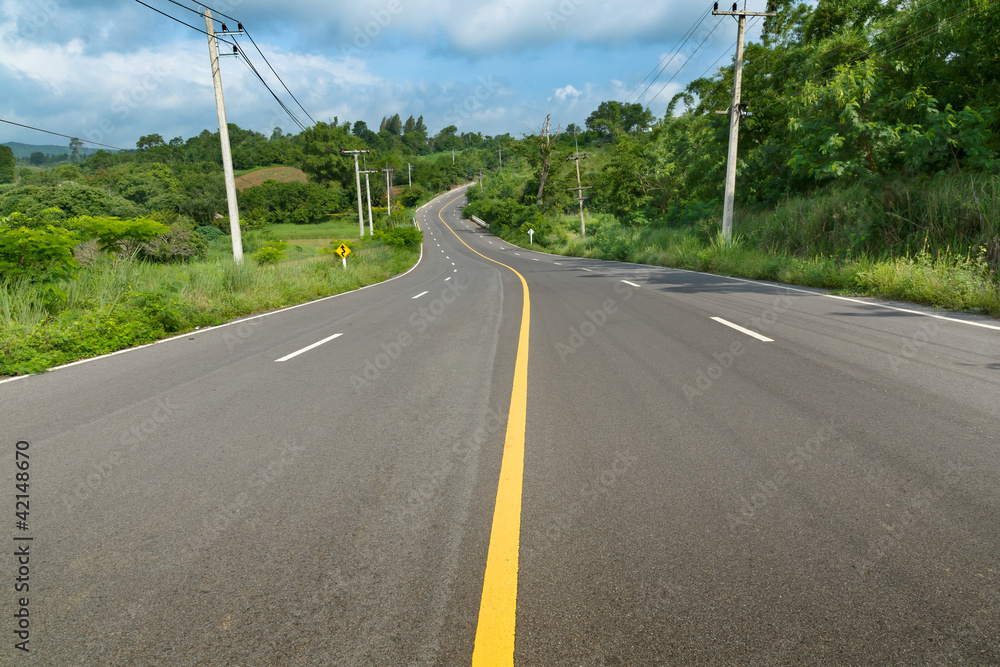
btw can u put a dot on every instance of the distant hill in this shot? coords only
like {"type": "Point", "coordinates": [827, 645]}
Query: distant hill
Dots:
{"type": "Point", "coordinates": [25, 150]}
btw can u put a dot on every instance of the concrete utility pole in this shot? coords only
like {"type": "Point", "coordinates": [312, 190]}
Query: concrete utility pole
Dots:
{"type": "Point", "coordinates": [501, 158]}
{"type": "Point", "coordinates": [227, 156]}
{"type": "Point", "coordinates": [409, 174]}
{"type": "Point", "coordinates": [579, 187]}
{"type": "Point", "coordinates": [357, 179]}
{"type": "Point", "coordinates": [388, 191]}
{"type": "Point", "coordinates": [736, 111]}
{"type": "Point", "coordinates": [368, 189]}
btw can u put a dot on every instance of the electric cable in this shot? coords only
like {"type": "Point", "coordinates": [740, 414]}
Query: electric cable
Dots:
{"type": "Point", "coordinates": [38, 129]}
{"type": "Point", "coordinates": [658, 68]}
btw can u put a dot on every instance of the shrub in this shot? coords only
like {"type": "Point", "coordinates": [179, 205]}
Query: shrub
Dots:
{"type": "Point", "coordinates": [271, 252]}
{"type": "Point", "coordinates": [400, 237]}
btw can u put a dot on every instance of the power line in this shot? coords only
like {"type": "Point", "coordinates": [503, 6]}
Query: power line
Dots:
{"type": "Point", "coordinates": [685, 63]}
{"type": "Point", "coordinates": [279, 78]}
{"type": "Point", "coordinates": [173, 18]}
{"type": "Point", "coordinates": [250, 37]}
{"type": "Point", "coordinates": [239, 51]}
{"type": "Point", "coordinates": [727, 52]}
{"type": "Point", "coordinates": [38, 129]}
{"type": "Point", "coordinates": [658, 68]}
{"type": "Point", "coordinates": [250, 66]}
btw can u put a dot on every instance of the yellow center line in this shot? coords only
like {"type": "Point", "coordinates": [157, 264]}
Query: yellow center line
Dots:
{"type": "Point", "coordinates": [498, 605]}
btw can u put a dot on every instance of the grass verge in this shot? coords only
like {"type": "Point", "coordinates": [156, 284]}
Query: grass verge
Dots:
{"type": "Point", "coordinates": [945, 280]}
{"type": "Point", "coordinates": [119, 303]}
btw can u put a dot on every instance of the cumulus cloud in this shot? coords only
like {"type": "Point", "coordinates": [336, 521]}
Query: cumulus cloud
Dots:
{"type": "Point", "coordinates": [566, 92]}
{"type": "Point", "coordinates": [117, 70]}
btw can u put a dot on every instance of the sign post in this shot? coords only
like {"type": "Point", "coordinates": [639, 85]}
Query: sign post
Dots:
{"type": "Point", "coordinates": [531, 236]}
{"type": "Point", "coordinates": [343, 251]}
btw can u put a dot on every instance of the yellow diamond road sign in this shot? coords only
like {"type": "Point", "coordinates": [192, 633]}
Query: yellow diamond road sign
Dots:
{"type": "Point", "coordinates": [343, 251]}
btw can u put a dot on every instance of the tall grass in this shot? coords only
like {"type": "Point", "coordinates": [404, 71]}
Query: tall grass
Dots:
{"type": "Point", "coordinates": [121, 303]}
{"type": "Point", "coordinates": [935, 243]}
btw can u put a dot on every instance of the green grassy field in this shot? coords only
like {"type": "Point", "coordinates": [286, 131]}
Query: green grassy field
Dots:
{"type": "Point", "coordinates": [334, 227]}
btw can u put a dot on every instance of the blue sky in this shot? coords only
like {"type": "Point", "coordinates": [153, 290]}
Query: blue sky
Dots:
{"type": "Point", "coordinates": [113, 70]}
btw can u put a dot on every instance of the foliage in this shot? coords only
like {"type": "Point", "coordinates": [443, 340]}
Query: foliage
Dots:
{"type": "Point", "coordinates": [40, 248]}
{"type": "Point", "coordinates": [271, 252]}
{"type": "Point", "coordinates": [36, 249]}
{"type": "Point", "coordinates": [117, 304]}
{"type": "Point", "coordinates": [400, 237]}
{"type": "Point", "coordinates": [299, 203]}
{"type": "Point", "coordinates": [71, 199]}
{"type": "Point", "coordinates": [613, 118]}
{"type": "Point", "coordinates": [7, 163]}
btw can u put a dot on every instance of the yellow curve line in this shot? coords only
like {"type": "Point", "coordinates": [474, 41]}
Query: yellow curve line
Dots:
{"type": "Point", "coordinates": [498, 605]}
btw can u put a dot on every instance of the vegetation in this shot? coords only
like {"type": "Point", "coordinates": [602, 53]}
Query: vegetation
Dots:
{"type": "Point", "coordinates": [114, 250]}
{"type": "Point", "coordinates": [869, 162]}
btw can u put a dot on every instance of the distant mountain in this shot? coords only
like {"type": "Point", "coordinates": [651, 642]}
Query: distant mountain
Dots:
{"type": "Point", "coordinates": [25, 150]}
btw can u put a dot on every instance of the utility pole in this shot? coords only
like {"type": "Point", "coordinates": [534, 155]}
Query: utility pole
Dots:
{"type": "Point", "coordinates": [579, 186]}
{"type": "Point", "coordinates": [368, 189]}
{"type": "Point", "coordinates": [501, 158]}
{"type": "Point", "coordinates": [388, 191]}
{"type": "Point", "coordinates": [227, 156]}
{"type": "Point", "coordinates": [409, 174]}
{"type": "Point", "coordinates": [453, 156]}
{"type": "Point", "coordinates": [357, 180]}
{"type": "Point", "coordinates": [481, 180]}
{"type": "Point", "coordinates": [736, 111]}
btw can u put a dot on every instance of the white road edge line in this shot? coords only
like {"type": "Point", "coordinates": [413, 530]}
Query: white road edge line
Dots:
{"type": "Point", "coordinates": [630, 283]}
{"type": "Point", "coordinates": [306, 349]}
{"type": "Point", "coordinates": [752, 334]}
{"type": "Point", "coordinates": [419, 295]}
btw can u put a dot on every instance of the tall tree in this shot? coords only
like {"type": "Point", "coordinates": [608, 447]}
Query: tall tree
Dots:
{"type": "Point", "coordinates": [410, 125]}
{"type": "Point", "coordinates": [75, 146]}
{"type": "Point", "coordinates": [6, 164]}
{"type": "Point", "coordinates": [394, 126]}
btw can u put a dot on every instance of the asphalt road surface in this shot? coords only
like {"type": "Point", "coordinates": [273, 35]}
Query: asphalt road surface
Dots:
{"type": "Point", "coordinates": [715, 472]}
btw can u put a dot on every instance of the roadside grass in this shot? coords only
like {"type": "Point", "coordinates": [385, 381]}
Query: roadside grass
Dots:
{"type": "Point", "coordinates": [815, 257]}
{"type": "Point", "coordinates": [121, 302]}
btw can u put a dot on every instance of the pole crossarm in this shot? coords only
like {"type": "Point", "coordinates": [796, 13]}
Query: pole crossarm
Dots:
{"type": "Point", "coordinates": [718, 13]}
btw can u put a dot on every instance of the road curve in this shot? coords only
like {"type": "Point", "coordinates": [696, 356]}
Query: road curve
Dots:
{"type": "Point", "coordinates": [715, 471]}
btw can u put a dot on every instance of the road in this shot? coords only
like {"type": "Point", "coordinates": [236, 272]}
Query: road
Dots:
{"type": "Point", "coordinates": [692, 470]}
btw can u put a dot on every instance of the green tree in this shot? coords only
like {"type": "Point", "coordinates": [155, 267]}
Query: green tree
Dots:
{"type": "Point", "coordinates": [37, 159]}
{"type": "Point", "coordinates": [394, 126]}
{"type": "Point", "coordinates": [322, 159]}
{"type": "Point", "coordinates": [7, 163]}
{"type": "Point", "coordinates": [149, 141]}
{"type": "Point", "coordinates": [613, 117]}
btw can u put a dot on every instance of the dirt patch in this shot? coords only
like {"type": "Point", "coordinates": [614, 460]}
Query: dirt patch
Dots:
{"type": "Point", "coordinates": [280, 174]}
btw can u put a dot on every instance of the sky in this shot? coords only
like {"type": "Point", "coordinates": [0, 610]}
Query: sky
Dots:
{"type": "Point", "coordinates": [111, 71]}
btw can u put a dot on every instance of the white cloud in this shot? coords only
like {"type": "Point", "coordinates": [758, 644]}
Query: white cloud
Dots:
{"type": "Point", "coordinates": [567, 92]}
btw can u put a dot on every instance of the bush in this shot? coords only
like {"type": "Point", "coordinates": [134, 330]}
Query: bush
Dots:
{"type": "Point", "coordinates": [271, 252]}
{"type": "Point", "coordinates": [400, 237]}
{"type": "Point", "coordinates": [210, 233]}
